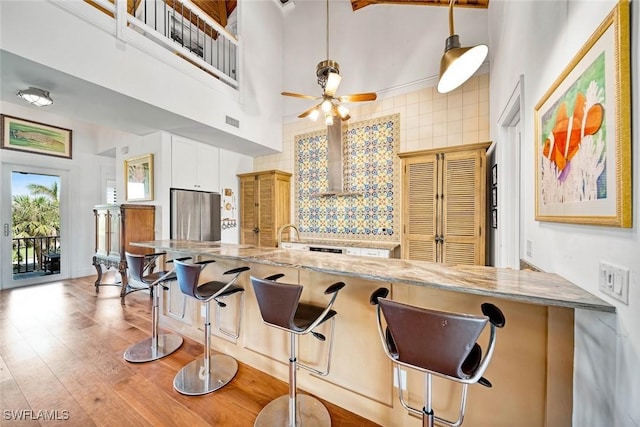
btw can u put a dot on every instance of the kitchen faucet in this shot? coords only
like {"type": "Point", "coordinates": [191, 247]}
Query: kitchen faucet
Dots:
{"type": "Point", "coordinates": [284, 227]}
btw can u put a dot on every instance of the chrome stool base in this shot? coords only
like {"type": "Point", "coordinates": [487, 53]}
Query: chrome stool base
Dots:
{"type": "Point", "coordinates": [192, 381]}
{"type": "Point", "coordinates": [310, 413]}
{"type": "Point", "coordinates": [144, 351]}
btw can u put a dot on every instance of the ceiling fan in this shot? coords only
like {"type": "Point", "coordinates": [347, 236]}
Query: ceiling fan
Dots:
{"type": "Point", "coordinates": [328, 74]}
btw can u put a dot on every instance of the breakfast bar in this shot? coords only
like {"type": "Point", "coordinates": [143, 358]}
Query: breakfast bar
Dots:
{"type": "Point", "coordinates": [532, 370]}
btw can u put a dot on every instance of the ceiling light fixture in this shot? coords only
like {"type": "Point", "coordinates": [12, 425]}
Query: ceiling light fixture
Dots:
{"type": "Point", "coordinates": [458, 63]}
{"type": "Point", "coordinates": [35, 96]}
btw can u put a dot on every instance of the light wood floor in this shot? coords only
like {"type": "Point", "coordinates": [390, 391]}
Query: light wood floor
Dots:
{"type": "Point", "coordinates": [61, 350]}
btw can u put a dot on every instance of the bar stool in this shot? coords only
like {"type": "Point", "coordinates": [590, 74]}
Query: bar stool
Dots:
{"type": "Point", "coordinates": [158, 345]}
{"type": "Point", "coordinates": [210, 373]}
{"type": "Point", "coordinates": [280, 307]}
{"type": "Point", "coordinates": [436, 343]}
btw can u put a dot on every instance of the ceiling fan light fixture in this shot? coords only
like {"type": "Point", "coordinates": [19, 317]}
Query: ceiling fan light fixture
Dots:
{"type": "Point", "coordinates": [328, 119]}
{"type": "Point", "coordinates": [458, 63]}
{"type": "Point", "coordinates": [35, 96]}
{"type": "Point", "coordinates": [328, 74]}
{"type": "Point", "coordinates": [333, 81]}
{"type": "Point", "coordinates": [343, 111]}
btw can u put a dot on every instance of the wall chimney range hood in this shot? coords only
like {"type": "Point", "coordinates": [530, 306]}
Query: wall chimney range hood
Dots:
{"type": "Point", "coordinates": [335, 162]}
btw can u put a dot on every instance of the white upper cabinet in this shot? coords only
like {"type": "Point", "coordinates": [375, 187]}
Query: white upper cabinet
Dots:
{"type": "Point", "coordinates": [194, 165]}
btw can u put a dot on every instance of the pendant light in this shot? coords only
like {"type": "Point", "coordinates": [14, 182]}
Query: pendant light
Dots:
{"type": "Point", "coordinates": [458, 63]}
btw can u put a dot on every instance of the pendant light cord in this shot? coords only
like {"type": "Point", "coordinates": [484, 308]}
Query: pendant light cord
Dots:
{"type": "Point", "coordinates": [451, 31]}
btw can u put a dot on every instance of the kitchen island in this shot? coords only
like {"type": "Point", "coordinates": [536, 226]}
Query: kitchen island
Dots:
{"type": "Point", "coordinates": [532, 370]}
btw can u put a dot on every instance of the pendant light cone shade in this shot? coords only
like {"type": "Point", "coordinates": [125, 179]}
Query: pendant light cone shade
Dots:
{"type": "Point", "coordinates": [35, 96]}
{"type": "Point", "coordinates": [458, 63]}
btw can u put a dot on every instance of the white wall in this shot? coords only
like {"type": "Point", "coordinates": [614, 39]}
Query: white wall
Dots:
{"type": "Point", "coordinates": [537, 39]}
{"type": "Point", "coordinates": [85, 172]}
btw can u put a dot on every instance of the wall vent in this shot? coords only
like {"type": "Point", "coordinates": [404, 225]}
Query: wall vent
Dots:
{"type": "Point", "coordinates": [233, 122]}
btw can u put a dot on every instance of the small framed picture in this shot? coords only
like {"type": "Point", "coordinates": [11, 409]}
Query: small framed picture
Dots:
{"type": "Point", "coordinates": [494, 218]}
{"type": "Point", "coordinates": [138, 175]}
{"type": "Point", "coordinates": [494, 175]}
{"type": "Point", "coordinates": [494, 197]}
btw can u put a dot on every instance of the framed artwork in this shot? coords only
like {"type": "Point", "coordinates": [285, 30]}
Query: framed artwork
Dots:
{"type": "Point", "coordinates": [494, 175]}
{"type": "Point", "coordinates": [33, 137]}
{"type": "Point", "coordinates": [494, 197]}
{"type": "Point", "coordinates": [138, 178]}
{"type": "Point", "coordinates": [494, 218]}
{"type": "Point", "coordinates": [583, 133]}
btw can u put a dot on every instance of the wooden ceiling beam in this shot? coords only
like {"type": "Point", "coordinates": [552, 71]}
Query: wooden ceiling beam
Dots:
{"type": "Point", "coordinates": [477, 4]}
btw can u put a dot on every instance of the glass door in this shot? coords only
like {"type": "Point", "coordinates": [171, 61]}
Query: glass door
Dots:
{"type": "Point", "coordinates": [32, 226]}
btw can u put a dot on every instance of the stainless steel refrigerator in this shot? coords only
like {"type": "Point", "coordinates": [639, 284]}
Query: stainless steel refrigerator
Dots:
{"type": "Point", "coordinates": [195, 215]}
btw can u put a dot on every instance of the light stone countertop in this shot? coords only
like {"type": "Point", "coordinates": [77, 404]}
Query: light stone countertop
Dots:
{"type": "Point", "coordinates": [518, 285]}
{"type": "Point", "coordinates": [390, 246]}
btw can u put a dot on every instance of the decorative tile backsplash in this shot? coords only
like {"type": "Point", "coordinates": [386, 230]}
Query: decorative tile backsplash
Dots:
{"type": "Point", "coordinates": [371, 169]}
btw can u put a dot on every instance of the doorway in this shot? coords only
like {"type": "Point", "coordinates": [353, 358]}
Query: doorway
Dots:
{"type": "Point", "coordinates": [33, 226]}
{"type": "Point", "coordinates": [510, 236]}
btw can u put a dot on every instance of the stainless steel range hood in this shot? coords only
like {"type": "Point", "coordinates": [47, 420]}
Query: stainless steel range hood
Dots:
{"type": "Point", "coordinates": [335, 162]}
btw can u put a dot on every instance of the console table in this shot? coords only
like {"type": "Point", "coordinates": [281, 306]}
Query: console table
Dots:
{"type": "Point", "coordinates": [115, 227]}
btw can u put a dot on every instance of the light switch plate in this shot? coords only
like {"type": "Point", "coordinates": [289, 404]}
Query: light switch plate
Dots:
{"type": "Point", "coordinates": [613, 280]}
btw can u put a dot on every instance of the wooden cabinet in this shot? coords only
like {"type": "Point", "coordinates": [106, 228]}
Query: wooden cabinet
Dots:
{"type": "Point", "coordinates": [444, 204]}
{"type": "Point", "coordinates": [115, 227]}
{"type": "Point", "coordinates": [194, 165]}
{"type": "Point", "coordinates": [265, 206]}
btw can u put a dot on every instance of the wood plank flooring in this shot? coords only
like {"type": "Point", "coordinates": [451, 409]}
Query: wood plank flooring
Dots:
{"type": "Point", "coordinates": [61, 363]}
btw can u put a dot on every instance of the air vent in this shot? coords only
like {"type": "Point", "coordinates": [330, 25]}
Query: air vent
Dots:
{"type": "Point", "coordinates": [233, 122]}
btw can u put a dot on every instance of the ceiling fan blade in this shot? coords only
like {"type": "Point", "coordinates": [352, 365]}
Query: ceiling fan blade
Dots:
{"type": "Point", "coordinates": [299, 95]}
{"type": "Point", "coordinates": [333, 81]}
{"type": "Point", "coordinates": [306, 113]}
{"type": "Point", "coordinates": [358, 97]}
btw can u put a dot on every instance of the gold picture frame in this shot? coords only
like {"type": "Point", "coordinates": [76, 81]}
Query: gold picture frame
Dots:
{"type": "Point", "coordinates": [34, 137]}
{"type": "Point", "coordinates": [138, 178]}
{"type": "Point", "coordinates": [583, 133]}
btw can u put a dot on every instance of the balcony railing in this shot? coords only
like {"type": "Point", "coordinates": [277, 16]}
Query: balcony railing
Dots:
{"type": "Point", "coordinates": [32, 254]}
{"type": "Point", "coordinates": [182, 28]}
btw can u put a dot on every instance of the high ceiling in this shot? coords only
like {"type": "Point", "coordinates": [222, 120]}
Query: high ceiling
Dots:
{"type": "Point", "coordinates": [75, 98]}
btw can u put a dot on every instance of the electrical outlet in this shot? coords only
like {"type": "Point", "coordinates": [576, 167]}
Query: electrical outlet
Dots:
{"type": "Point", "coordinates": [403, 378]}
{"type": "Point", "coordinates": [529, 248]}
{"type": "Point", "coordinates": [613, 281]}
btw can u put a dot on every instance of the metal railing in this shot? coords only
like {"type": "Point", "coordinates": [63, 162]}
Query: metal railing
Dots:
{"type": "Point", "coordinates": [182, 28]}
{"type": "Point", "coordinates": [35, 254]}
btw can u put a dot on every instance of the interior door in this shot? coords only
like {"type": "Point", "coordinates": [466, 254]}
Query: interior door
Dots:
{"type": "Point", "coordinates": [420, 205]}
{"type": "Point", "coordinates": [33, 225]}
{"type": "Point", "coordinates": [463, 209]}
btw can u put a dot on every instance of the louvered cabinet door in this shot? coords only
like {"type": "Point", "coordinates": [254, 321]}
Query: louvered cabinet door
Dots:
{"type": "Point", "coordinates": [420, 182]}
{"type": "Point", "coordinates": [266, 211]}
{"type": "Point", "coordinates": [463, 207]}
{"type": "Point", "coordinates": [248, 210]}
{"type": "Point", "coordinates": [265, 206]}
